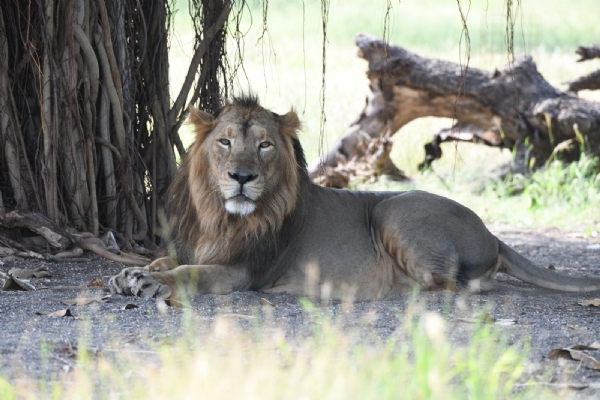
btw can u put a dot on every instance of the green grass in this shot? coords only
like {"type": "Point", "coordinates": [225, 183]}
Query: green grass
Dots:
{"type": "Point", "coordinates": [560, 195]}
{"type": "Point", "coordinates": [417, 362]}
{"type": "Point", "coordinates": [432, 24]}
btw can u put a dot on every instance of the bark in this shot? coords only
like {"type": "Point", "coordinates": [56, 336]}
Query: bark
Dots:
{"type": "Point", "coordinates": [514, 106]}
{"type": "Point", "coordinates": [459, 132]}
{"type": "Point", "coordinates": [588, 53]}
{"type": "Point", "coordinates": [590, 81]}
{"type": "Point", "coordinates": [48, 120]}
{"type": "Point", "coordinates": [587, 82]}
{"type": "Point", "coordinates": [38, 223]}
{"type": "Point", "coordinates": [87, 135]}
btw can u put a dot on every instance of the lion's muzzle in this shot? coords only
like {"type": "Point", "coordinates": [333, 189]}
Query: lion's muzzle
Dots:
{"type": "Point", "coordinates": [242, 177]}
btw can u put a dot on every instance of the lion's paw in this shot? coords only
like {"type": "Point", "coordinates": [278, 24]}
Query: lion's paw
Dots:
{"type": "Point", "coordinates": [138, 282]}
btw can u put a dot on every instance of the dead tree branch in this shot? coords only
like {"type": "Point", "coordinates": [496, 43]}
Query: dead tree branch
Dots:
{"type": "Point", "coordinates": [590, 81]}
{"type": "Point", "coordinates": [513, 107]}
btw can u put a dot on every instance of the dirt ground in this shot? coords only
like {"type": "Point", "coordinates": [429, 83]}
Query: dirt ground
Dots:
{"type": "Point", "coordinates": [37, 345]}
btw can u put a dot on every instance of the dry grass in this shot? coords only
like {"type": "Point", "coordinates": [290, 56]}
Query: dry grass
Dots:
{"type": "Point", "coordinates": [228, 363]}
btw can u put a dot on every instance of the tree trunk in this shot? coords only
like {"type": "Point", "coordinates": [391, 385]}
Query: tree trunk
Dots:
{"type": "Point", "coordinates": [87, 131]}
{"type": "Point", "coordinates": [513, 107]}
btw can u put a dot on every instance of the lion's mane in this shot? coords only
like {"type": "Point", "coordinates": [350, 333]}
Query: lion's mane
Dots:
{"type": "Point", "coordinates": [201, 230]}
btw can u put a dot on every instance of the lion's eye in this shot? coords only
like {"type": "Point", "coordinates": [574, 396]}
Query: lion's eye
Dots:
{"type": "Point", "coordinates": [265, 145]}
{"type": "Point", "coordinates": [224, 142]}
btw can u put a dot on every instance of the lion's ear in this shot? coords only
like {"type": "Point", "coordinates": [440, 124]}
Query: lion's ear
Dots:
{"type": "Point", "coordinates": [203, 122]}
{"type": "Point", "coordinates": [289, 124]}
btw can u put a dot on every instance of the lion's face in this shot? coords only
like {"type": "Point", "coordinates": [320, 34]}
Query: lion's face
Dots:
{"type": "Point", "coordinates": [244, 152]}
{"type": "Point", "coordinates": [248, 152]}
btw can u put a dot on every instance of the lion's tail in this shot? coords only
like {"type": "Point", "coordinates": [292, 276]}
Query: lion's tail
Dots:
{"type": "Point", "coordinates": [521, 268]}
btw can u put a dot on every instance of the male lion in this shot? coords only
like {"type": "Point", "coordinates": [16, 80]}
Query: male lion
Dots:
{"type": "Point", "coordinates": [245, 216]}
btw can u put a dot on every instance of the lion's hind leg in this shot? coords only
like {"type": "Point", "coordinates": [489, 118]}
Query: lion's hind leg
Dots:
{"type": "Point", "coordinates": [435, 241]}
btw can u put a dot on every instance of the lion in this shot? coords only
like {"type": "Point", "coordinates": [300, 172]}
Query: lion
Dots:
{"type": "Point", "coordinates": [244, 216]}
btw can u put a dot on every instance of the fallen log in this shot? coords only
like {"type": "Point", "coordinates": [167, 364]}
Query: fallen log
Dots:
{"type": "Point", "coordinates": [513, 107]}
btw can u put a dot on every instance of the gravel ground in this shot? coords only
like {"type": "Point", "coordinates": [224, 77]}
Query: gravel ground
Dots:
{"type": "Point", "coordinates": [36, 345]}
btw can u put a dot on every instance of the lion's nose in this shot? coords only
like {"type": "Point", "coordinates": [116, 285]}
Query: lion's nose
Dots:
{"type": "Point", "coordinates": [242, 177]}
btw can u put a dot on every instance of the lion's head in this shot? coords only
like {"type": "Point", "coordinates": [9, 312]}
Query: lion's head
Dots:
{"type": "Point", "coordinates": [248, 156]}
{"type": "Point", "coordinates": [239, 185]}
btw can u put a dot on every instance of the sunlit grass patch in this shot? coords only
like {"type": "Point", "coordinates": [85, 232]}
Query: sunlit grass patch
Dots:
{"type": "Point", "coordinates": [559, 191]}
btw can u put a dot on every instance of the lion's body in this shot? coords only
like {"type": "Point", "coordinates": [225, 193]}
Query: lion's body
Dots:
{"type": "Point", "coordinates": [244, 215]}
{"type": "Point", "coordinates": [374, 244]}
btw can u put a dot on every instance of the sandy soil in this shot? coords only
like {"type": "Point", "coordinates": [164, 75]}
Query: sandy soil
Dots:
{"type": "Point", "coordinates": [36, 345]}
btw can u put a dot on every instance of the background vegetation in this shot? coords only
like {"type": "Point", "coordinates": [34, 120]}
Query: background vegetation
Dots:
{"type": "Point", "coordinates": [284, 65]}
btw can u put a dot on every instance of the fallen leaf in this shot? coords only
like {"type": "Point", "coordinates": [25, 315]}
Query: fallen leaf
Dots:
{"type": "Point", "coordinates": [5, 251]}
{"type": "Point", "coordinates": [97, 281]}
{"type": "Point", "coordinates": [68, 351]}
{"type": "Point", "coordinates": [484, 317]}
{"type": "Point", "coordinates": [129, 306]}
{"type": "Point", "coordinates": [584, 347]}
{"type": "Point", "coordinates": [577, 327]}
{"type": "Point", "coordinates": [565, 385]}
{"type": "Point", "coordinates": [84, 301]}
{"type": "Point", "coordinates": [109, 241]}
{"type": "Point", "coordinates": [505, 321]}
{"type": "Point", "coordinates": [236, 315]}
{"type": "Point", "coordinates": [570, 353]}
{"type": "Point", "coordinates": [590, 303]}
{"type": "Point", "coordinates": [171, 302]}
{"type": "Point", "coordinates": [58, 313]}
{"type": "Point", "coordinates": [266, 302]}
{"type": "Point", "coordinates": [487, 318]}
{"type": "Point", "coordinates": [27, 273]}
{"type": "Point", "coordinates": [14, 283]}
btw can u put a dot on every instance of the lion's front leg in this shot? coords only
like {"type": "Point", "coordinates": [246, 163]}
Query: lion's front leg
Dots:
{"type": "Point", "coordinates": [138, 282]}
{"type": "Point", "coordinates": [188, 279]}
{"type": "Point", "coordinates": [162, 264]}
{"type": "Point", "coordinates": [216, 279]}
